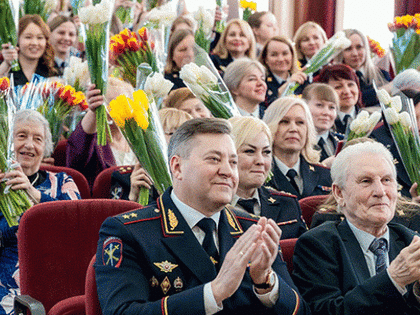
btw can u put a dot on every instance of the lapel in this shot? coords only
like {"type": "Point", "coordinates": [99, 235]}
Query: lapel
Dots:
{"type": "Point", "coordinates": [280, 182]}
{"type": "Point", "coordinates": [269, 205]}
{"type": "Point", "coordinates": [333, 139]}
{"type": "Point", "coordinates": [339, 126]}
{"type": "Point", "coordinates": [356, 258]}
{"type": "Point", "coordinates": [309, 175]}
{"type": "Point", "coordinates": [229, 230]}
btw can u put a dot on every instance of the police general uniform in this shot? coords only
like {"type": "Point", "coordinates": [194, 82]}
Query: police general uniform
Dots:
{"type": "Point", "coordinates": [150, 262]}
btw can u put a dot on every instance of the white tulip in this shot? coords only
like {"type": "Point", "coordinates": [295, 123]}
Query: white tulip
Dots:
{"type": "Point", "coordinates": [405, 119]}
{"type": "Point", "coordinates": [98, 13]}
{"type": "Point", "coordinates": [207, 76]}
{"type": "Point", "coordinates": [342, 42]}
{"type": "Point", "coordinates": [363, 115]}
{"type": "Point", "coordinates": [76, 70]}
{"type": "Point", "coordinates": [157, 85]}
{"type": "Point", "coordinates": [355, 126]}
{"type": "Point", "coordinates": [190, 73]}
{"type": "Point", "coordinates": [391, 115]}
{"type": "Point", "coordinates": [383, 96]}
{"type": "Point", "coordinates": [396, 103]}
{"type": "Point", "coordinates": [374, 119]}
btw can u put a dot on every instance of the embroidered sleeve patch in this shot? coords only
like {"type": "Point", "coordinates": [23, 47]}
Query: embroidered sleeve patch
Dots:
{"type": "Point", "coordinates": [112, 252]}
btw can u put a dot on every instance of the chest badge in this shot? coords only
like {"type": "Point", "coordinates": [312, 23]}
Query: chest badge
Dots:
{"type": "Point", "coordinates": [165, 266]}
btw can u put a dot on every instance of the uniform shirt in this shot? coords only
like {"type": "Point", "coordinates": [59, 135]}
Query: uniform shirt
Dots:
{"type": "Point", "coordinates": [352, 114]}
{"type": "Point", "coordinates": [257, 205]}
{"type": "Point", "coordinates": [284, 169]}
{"type": "Point", "coordinates": [255, 113]}
{"type": "Point", "coordinates": [328, 146]}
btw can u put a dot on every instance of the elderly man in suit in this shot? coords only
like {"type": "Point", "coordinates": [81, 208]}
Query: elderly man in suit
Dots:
{"type": "Point", "coordinates": [364, 264]}
{"type": "Point", "coordinates": [188, 253]}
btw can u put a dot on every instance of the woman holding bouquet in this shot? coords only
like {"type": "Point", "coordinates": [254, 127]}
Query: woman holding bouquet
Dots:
{"type": "Point", "coordinates": [34, 52]}
{"type": "Point", "coordinates": [32, 141]}
{"type": "Point", "coordinates": [357, 56]}
{"type": "Point", "coordinates": [280, 59]}
{"type": "Point", "coordinates": [236, 41]}
{"type": "Point", "coordinates": [253, 142]}
{"type": "Point", "coordinates": [309, 39]}
{"type": "Point", "coordinates": [296, 167]}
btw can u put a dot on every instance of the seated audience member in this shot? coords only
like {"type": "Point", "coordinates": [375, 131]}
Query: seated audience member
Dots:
{"type": "Point", "coordinates": [279, 57]}
{"type": "Point", "coordinates": [237, 41]}
{"type": "Point", "coordinates": [126, 183]}
{"type": "Point", "coordinates": [364, 264]}
{"type": "Point", "coordinates": [345, 82]}
{"type": "Point", "coordinates": [295, 168]}
{"type": "Point", "coordinates": [264, 26]}
{"type": "Point", "coordinates": [245, 78]}
{"type": "Point", "coordinates": [180, 52]}
{"type": "Point", "coordinates": [309, 38]}
{"type": "Point", "coordinates": [183, 99]}
{"type": "Point", "coordinates": [253, 142]}
{"type": "Point", "coordinates": [83, 152]}
{"type": "Point", "coordinates": [357, 56]}
{"type": "Point", "coordinates": [178, 267]}
{"type": "Point", "coordinates": [32, 142]}
{"type": "Point", "coordinates": [323, 104]}
{"type": "Point", "coordinates": [182, 23]}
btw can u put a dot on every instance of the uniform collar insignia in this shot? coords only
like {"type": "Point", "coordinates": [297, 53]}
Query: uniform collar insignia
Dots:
{"type": "Point", "coordinates": [311, 168]}
{"type": "Point", "coordinates": [269, 79]}
{"type": "Point", "coordinates": [236, 228]}
{"type": "Point", "coordinates": [165, 266]}
{"type": "Point", "coordinates": [272, 200]}
{"type": "Point", "coordinates": [269, 92]}
{"type": "Point", "coordinates": [395, 161]}
{"type": "Point", "coordinates": [170, 220]}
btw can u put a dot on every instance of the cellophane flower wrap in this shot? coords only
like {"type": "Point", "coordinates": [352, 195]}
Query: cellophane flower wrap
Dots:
{"type": "Point", "coordinates": [406, 42]}
{"type": "Point", "coordinates": [9, 21]}
{"type": "Point", "coordinates": [248, 8]}
{"type": "Point", "coordinates": [41, 7]}
{"type": "Point", "coordinates": [96, 21]}
{"type": "Point", "coordinates": [363, 125]}
{"type": "Point", "coordinates": [60, 102]}
{"type": "Point", "coordinates": [130, 49]}
{"type": "Point", "coordinates": [220, 25]}
{"type": "Point", "coordinates": [205, 83]}
{"type": "Point", "coordinates": [331, 49]}
{"type": "Point", "coordinates": [125, 15]}
{"type": "Point", "coordinates": [13, 203]}
{"type": "Point", "coordinates": [138, 121]}
{"type": "Point", "coordinates": [400, 115]}
{"type": "Point", "coordinates": [157, 88]}
{"type": "Point", "coordinates": [205, 21]}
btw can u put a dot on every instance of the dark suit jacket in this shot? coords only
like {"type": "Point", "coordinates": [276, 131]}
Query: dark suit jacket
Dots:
{"type": "Point", "coordinates": [157, 266]}
{"type": "Point", "coordinates": [369, 97]}
{"type": "Point", "coordinates": [284, 209]}
{"type": "Point", "coordinates": [175, 79]}
{"type": "Point", "coordinates": [221, 63]}
{"type": "Point", "coordinates": [335, 137]}
{"type": "Point", "coordinates": [383, 135]}
{"type": "Point", "coordinates": [316, 180]}
{"type": "Point", "coordinates": [331, 272]}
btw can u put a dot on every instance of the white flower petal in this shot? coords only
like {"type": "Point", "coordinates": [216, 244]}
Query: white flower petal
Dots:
{"type": "Point", "coordinates": [391, 115]}
{"type": "Point", "coordinates": [383, 97]}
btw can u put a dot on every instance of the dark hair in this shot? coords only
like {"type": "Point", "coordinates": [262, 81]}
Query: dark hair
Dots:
{"type": "Point", "coordinates": [337, 72]}
{"type": "Point", "coordinates": [177, 37]}
{"type": "Point", "coordinates": [180, 143]}
{"type": "Point", "coordinates": [47, 57]}
{"type": "Point", "coordinates": [255, 19]}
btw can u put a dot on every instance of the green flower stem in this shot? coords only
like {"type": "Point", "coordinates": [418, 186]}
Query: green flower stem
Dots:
{"type": "Point", "coordinates": [143, 196]}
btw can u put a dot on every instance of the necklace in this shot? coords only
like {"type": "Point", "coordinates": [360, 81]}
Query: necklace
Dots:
{"type": "Point", "coordinates": [36, 178]}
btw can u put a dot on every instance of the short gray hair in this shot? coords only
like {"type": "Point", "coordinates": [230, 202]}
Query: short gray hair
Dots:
{"type": "Point", "coordinates": [181, 141]}
{"type": "Point", "coordinates": [30, 115]}
{"type": "Point", "coordinates": [344, 160]}
{"type": "Point", "coordinates": [238, 69]}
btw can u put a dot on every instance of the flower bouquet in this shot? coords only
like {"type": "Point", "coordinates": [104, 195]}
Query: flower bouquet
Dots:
{"type": "Point", "coordinates": [205, 21]}
{"type": "Point", "coordinates": [363, 125]}
{"type": "Point", "coordinates": [220, 25]}
{"type": "Point", "coordinates": [76, 5]}
{"type": "Point", "coordinates": [77, 74]}
{"type": "Point", "coordinates": [406, 42]}
{"type": "Point", "coordinates": [41, 7]}
{"type": "Point", "coordinates": [140, 125]}
{"type": "Point", "coordinates": [332, 48]}
{"type": "Point", "coordinates": [157, 88]}
{"type": "Point", "coordinates": [375, 48]}
{"type": "Point", "coordinates": [206, 84]}
{"type": "Point", "coordinates": [125, 15]}
{"type": "Point", "coordinates": [13, 203]}
{"type": "Point", "coordinates": [248, 8]}
{"type": "Point", "coordinates": [400, 115]}
{"type": "Point", "coordinates": [129, 49]}
{"type": "Point", "coordinates": [96, 20]}
{"type": "Point", "coordinates": [9, 21]}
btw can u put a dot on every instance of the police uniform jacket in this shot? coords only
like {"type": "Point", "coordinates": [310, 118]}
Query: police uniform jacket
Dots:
{"type": "Point", "coordinates": [369, 97]}
{"type": "Point", "coordinates": [221, 63]}
{"type": "Point", "coordinates": [284, 209]}
{"type": "Point", "coordinates": [150, 262]}
{"type": "Point", "coordinates": [331, 272]}
{"type": "Point", "coordinates": [175, 79]}
{"type": "Point", "coordinates": [334, 137]}
{"type": "Point", "coordinates": [316, 180]}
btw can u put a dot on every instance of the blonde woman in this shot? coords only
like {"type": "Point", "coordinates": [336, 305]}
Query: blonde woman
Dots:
{"type": "Point", "coordinates": [295, 168]}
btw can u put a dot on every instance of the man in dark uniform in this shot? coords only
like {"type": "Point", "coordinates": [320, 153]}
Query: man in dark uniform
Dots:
{"type": "Point", "coordinates": [189, 254]}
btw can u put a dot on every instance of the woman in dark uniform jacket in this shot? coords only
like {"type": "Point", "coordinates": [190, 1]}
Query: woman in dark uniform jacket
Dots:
{"type": "Point", "coordinates": [279, 58]}
{"type": "Point", "coordinates": [180, 53]}
{"type": "Point", "coordinates": [237, 41]}
{"type": "Point", "coordinates": [295, 168]}
{"type": "Point", "coordinates": [253, 142]}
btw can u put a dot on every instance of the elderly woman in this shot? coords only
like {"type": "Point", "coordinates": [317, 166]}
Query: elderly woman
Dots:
{"type": "Point", "coordinates": [309, 39]}
{"type": "Point", "coordinates": [279, 58]}
{"type": "Point", "coordinates": [295, 168]}
{"type": "Point", "coordinates": [183, 99]}
{"type": "Point", "coordinates": [32, 142]}
{"type": "Point", "coordinates": [364, 264]}
{"type": "Point", "coordinates": [245, 78]}
{"type": "Point", "coordinates": [237, 41]}
{"type": "Point", "coordinates": [345, 82]}
{"type": "Point", "coordinates": [253, 143]}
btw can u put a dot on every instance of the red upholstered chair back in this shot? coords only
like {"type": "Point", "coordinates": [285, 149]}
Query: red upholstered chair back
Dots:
{"type": "Point", "coordinates": [91, 293]}
{"type": "Point", "coordinates": [102, 184]}
{"type": "Point", "coordinates": [59, 153]}
{"type": "Point", "coordinates": [287, 248]}
{"type": "Point", "coordinates": [78, 178]}
{"type": "Point", "coordinates": [309, 206]}
{"type": "Point", "coordinates": [56, 241]}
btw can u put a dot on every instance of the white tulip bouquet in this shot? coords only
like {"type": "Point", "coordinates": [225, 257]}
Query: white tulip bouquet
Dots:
{"type": "Point", "coordinates": [363, 125]}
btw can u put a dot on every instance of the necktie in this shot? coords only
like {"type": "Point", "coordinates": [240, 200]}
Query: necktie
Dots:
{"type": "Point", "coordinates": [324, 146]}
{"type": "Point", "coordinates": [346, 119]}
{"type": "Point", "coordinates": [247, 204]}
{"type": "Point", "coordinates": [291, 174]}
{"type": "Point", "coordinates": [208, 226]}
{"type": "Point", "coordinates": [379, 247]}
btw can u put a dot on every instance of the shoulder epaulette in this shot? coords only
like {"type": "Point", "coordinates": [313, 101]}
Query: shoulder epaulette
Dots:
{"type": "Point", "coordinates": [279, 192]}
{"type": "Point", "coordinates": [139, 215]}
{"type": "Point", "coordinates": [242, 214]}
{"type": "Point", "coordinates": [125, 169]}
{"type": "Point", "coordinates": [321, 165]}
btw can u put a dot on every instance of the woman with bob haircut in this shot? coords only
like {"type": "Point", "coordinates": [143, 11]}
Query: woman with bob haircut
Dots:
{"type": "Point", "coordinates": [245, 78]}
{"type": "Point", "coordinates": [279, 58]}
{"type": "Point", "coordinates": [183, 99]}
{"type": "Point", "coordinates": [295, 168]}
{"type": "Point", "coordinates": [236, 41]}
{"type": "Point", "coordinates": [253, 143]}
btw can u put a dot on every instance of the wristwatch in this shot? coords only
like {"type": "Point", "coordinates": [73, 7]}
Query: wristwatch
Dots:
{"type": "Point", "coordinates": [270, 280]}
